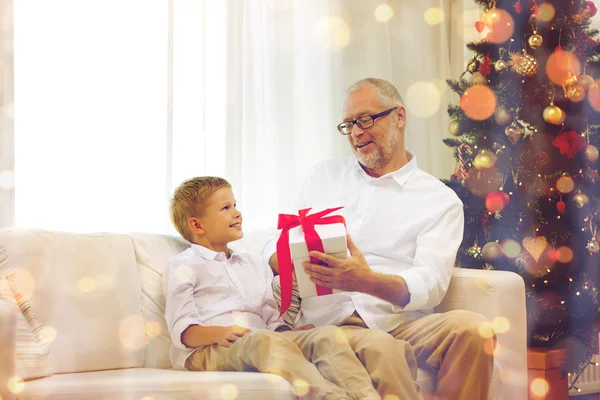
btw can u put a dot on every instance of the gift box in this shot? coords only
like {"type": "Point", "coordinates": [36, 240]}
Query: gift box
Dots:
{"type": "Point", "coordinates": [333, 239]}
{"type": "Point", "coordinates": [321, 230]}
{"type": "Point", "coordinates": [546, 380]}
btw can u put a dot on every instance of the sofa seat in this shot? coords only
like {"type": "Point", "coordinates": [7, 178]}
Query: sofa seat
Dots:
{"type": "Point", "coordinates": [158, 384]}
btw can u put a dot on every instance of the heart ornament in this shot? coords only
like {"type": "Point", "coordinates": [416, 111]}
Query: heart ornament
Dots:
{"type": "Point", "coordinates": [535, 246]}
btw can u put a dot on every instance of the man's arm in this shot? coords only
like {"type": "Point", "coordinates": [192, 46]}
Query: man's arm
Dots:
{"type": "Point", "coordinates": [422, 286]}
{"type": "Point", "coordinates": [196, 335]}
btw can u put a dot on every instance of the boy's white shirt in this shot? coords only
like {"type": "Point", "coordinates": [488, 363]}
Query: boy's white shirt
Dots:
{"type": "Point", "coordinates": [203, 287]}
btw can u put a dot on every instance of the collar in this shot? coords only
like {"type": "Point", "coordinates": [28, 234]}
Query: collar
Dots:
{"type": "Point", "coordinates": [400, 176]}
{"type": "Point", "coordinates": [214, 255]}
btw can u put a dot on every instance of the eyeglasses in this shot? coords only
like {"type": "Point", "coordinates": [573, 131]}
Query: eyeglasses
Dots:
{"type": "Point", "coordinates": [364, 122]}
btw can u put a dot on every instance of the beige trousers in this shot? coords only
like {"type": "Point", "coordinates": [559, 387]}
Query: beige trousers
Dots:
{"type": "Point", "coordinates": [322, 357]}
{"type": "Point", "coordinates": [448, 344]}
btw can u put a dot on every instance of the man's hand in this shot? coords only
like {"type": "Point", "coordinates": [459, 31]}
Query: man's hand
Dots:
{"type": "Point", "coordinates": [231, 334]}
{"type": "Point", "coordinates": [274, 264]}
{"type": "Point", "coordinates": [348, 274]}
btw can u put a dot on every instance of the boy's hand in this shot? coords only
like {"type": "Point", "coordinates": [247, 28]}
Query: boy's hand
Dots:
{"type": "Point", "coordinates": [230, 334]}
{"type": "Point", "coordinates": [304, 327]}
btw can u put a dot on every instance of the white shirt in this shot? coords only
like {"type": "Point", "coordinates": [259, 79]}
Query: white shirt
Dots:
{"type": "Point", "coordinates": [406, 223]}
{"type": "Point", "coordinates": [203, 287]}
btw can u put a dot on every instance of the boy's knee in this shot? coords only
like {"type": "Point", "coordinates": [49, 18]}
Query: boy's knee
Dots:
{"type": "Point", "coordinates": [330, 334]}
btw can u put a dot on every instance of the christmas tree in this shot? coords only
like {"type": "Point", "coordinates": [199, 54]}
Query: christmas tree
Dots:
{"type": "Point", "coordinates": [526, 134]}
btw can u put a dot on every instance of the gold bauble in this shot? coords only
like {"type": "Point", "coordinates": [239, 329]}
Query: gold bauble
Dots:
{"type": "Point", "coordinates": [492, 17]}
{"type": "Point", "coordinates": [535, 41]}
{"type": "Point", "coordinates": [485, 159]}
{"type": "Point", "coordinates": [478, 79]}
{"type": "Point", "coordinates": [500, 65]}
{"type": "Point", "coordinates": [554, 115]}
{"type": "Point", "coordinates": [571, 81]}
{"type": "Point", "coordinates": [491, 251]}
{"type": "Point", "coordinates": [502, 116]}
{"type": "Point", "coordinates": [591, 153]}
{"type": "Point", "coordinates": [473, 66]}
{"type": "Point", "coordinates": [586, 81]}
{"type": "Point", "coordinates": [524, 64]}
{"type": "Point", "coordinates": [576, 93]}
{"type": "Point", "coordinates": [454, 128]}
{"type": "Point", "coordinates": [580, 200]}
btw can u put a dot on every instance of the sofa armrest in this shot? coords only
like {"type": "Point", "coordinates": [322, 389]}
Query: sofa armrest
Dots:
{"type": "Point", "coordinates": [496, 294]}
{"type": "Point", "coordinates": [8, 341]}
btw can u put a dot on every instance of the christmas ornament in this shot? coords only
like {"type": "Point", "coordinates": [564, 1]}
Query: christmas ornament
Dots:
{"type": "Point", "coordinates": [496, 201]}
{"type": "Point", "coordinates": [576, 93]}
{"type": "Point", "coordinates": [474, 251]}
{"type": "Point", "coordinates": [535, 246]}
{"type": "Point", "coordinates": [454, 128]}
{"type": "Point", "coordinates": [501, 25]}
{"type": "Point", "coordinates": [554, 115]}
{"type": "Point", "coordinates": [585, 81]}
{"type": "Point", "coordinates": [569, 143]}
{"type": "Point", "coordinates": [565, 184]}
{"type": "Point", "coordinates": [535, 40]}
{"type": "Point", "coordinates": [480, 26]}
{"type": "Point", "coordinates": [478, 102]}
{"type": "Point", "coordinates": [570, 81]}
{"type": "Point", "coordinates": [485, 159]}
{"type": "Point", "coordinates": [500, 65]}
{"type": "Point", "coordinates": [462, 173]}
{"type": "Point", "coordinates": [473, 65]}
{"type": "Point", "coordinates": [478, 79]}
{"type": "Point", "coordinates": [591, 7]}
{"type": "Point", "coordinates": [554, 255]}
{"type": "Point", "coordinates": [591, 153]}
{"type": "Point", "coordinates": [491, 251]}
{"type": "Point", "coordinates": [523, 64]}
{"type": "Point", "coordinates": [492, 17]}
{"type": "Point", "coordinates": [502, 116]}
{"type": "Point", "coordinates": [560, 206]}
{"type": "Point", "coordinates": [518, 7]}
{"type": "Point", "coordinates": [514, 132]}
{"type": "Point", "coordinates": [542, 158]}
{"type": "Point", "coordinates": [486, 67]}
{"type": "Point", "coordinates": [581, 200]}
{"type": "Point", "coordinates": [593, 246]}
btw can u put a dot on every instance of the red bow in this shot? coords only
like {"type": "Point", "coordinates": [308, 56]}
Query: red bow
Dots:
{"type": "Point", "coordinates": [313, 242]}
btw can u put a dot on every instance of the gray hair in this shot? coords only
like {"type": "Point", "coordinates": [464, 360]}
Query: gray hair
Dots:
{"type": "Point", "coordinates": [388, 94]}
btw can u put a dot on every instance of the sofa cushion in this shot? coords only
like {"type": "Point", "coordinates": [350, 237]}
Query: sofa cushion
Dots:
{"type": "Point", "coordinates": [87, 289]}
{"type": "Point", "coordinates": [139, 383]}
{"type": "Point", "coordinates": [32, 354]}
{"type": "Point", "coordinates": [152, 253]}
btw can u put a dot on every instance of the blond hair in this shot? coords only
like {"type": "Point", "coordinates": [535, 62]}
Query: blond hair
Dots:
{"type": "Point", "coordinates": [189, 200]}
{"type": "Point", "coordinates": [388, 94]}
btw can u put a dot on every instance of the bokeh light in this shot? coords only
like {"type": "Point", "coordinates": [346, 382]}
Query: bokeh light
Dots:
{"type": "Point", "coordinates": [16, 384]}
{"type": "Point", "coordinates": [423, 99]}
{"type": "Point", "coordinates": [434, 16]}
{"type": "Point", "coordinates": [301, 387]}
{"type": "Point", "coordinates": [511, 248]}
{"type": "Point", "coordinates": [184, 273]}
{"type": "Point", "coordinates": [48, 334]}
{"type": "Point", "coordinates": [7, 180]}
{"type": "Point", "coordinates": [496, 201]}
{"type": "Point", "coordinates": [391, 397]}
{"type": "Point", "coordinates": [132, 333]}
{"type": "Point", "coordinates": [152, 329]}
{"type": "Point", "coordinates": [229, 392]}
{"type": "Point", "coordinates": [86, 284]}
{"type": "Point", "coordinates": [565, 254]}
{"type": "Point", "coordinates": [500, 324]}
{"type": "Point", "coordinates": [478, 102]}
{"type": "Point", "coordinates": [561, 65]}
{"type": "Point", "coordinates": [539, 387]}
{"type": "Point", "coordinates": [333, 33]}
{"type": "Point", "coordinates": [491, 347]}
{"type": "Point", "coordinates": [594, 96]}
{"type": "Point", "coordinates": [546, 12]}
{"type": "Point", "coordinates": [501, 25]}
{"type": "Point", "coordinates": [565, 184]}
{"type": "Point", "coordinates": [383, 13]}
{"type": "Point", "coordinates": [486, 330]}
{"type": "Point", "coordinates": [25, 281]}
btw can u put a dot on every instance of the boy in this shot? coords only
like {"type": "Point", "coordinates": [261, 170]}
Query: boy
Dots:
{"type": "Point", "coordinates": [220, 309]}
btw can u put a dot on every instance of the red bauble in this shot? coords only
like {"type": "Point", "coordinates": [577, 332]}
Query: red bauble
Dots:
{"type": "Point", "coordinates": [496, 201]}
{"type": "Point", "coordinates": [560, 206]}
{"type": "Point", "coordinates": [554, 255]}
{"type": "Point", "coordinates": [592, 7]}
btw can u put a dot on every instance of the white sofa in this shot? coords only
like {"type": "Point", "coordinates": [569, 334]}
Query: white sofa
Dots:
{"type": "Point", "coordinates": [102, 295]}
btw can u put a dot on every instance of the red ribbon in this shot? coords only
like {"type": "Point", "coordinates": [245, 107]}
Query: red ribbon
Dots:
{"type": "Point", "coordinates": [313, 242]}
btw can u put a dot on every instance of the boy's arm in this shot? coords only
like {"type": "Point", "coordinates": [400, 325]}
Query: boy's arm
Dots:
{"type": "Point", "coordinates": [180, 309]}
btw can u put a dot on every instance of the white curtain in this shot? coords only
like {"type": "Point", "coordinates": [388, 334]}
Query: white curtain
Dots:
{"type": "Point", "coordinates": [118, 101]}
